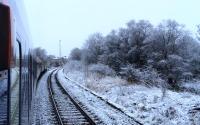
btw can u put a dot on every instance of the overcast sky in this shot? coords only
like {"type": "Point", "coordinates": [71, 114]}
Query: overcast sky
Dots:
{"type": "Point", "coordinates": [72, 21]}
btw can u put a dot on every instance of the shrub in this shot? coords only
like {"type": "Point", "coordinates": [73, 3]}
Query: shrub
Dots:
{"type": "Point", "coordinates": [73, 65]}
{"type": "Point", "coordinates": [101, 69]}
{"type": "Point", "coordinates": [146, 76]}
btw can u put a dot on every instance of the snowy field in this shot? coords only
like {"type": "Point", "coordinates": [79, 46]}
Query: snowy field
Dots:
{"type": "Point", "coordinates": [145, 104]}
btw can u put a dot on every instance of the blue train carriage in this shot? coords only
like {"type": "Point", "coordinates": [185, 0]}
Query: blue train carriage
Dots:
{"type": "Point", "coordinates": [17, 77]}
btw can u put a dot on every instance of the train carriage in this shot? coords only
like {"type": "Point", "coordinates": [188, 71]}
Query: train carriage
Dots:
{"type": "Point", "coordinates": [17, 76]}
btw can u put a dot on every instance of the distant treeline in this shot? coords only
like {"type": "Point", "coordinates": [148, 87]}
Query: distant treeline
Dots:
{"type": "Point", "coordinates": [168, 48]}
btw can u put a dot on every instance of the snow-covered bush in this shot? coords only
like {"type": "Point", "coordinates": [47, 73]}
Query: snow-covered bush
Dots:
{"type": "Point", "coordinates": [187, 76]}
{"type": "Point", "coordinates": [170, 113]}
{"type": "Point", "coordinates": [76, 54]}
{"type": "Point", "coordinates": [162, 66]}
{"type": "Point", "coordinates": [130, 73]}
{"type": "Point", "coordinates": [175, 59]}
{"type": "Point", "coordinates": [195, 65]}
{"type": "Point", "coordinates": [99, 84]}
{"type": "Point", "coordinates": [101, 69]}
{"type": "Point", "coordinates": [150, 77]}
{"type": "Point", "coordinates": [73, 65]}
{"type": "Point", "coordinates": [92, 81]}
{"type": "Point", "coordinates": [146, 76]}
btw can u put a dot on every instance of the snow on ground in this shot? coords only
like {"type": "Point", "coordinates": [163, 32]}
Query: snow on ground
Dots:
{"type": "Point", "coordinates": [146, 104]}
{"type": "Point", "coordinates": [42, 109]}
{"type": "Point", "coordinates": [106, 113]}
{"type": "Point", "coordinates": [193, 86]}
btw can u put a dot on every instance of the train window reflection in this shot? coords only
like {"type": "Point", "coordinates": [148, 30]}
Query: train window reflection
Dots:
{"type": "Point", "coordinates": [3, 96]}
{"type": "Point", "coordinates": [14, 87]}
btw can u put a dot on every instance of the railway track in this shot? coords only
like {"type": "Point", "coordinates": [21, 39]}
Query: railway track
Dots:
{"type": "Point", "coordinates": [67, 110]}
{"type": "Point", "coordinates": [110, 104]}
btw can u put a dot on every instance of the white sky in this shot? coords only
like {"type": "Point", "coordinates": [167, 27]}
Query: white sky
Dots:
{"type": "Point", "coordinates": [72, 21]}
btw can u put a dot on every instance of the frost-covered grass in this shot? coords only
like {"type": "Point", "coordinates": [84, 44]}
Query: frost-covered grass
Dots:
{"type": "Point", "coordinates": [193, 86]}
{"type": "Point", "coordinates": [146, 104]}
{"type": "Point", "coordinates": [102, 84]}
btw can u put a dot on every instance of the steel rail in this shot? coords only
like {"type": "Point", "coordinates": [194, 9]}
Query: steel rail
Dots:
{"type": "Point", "coordinates": [53, 100]}
{"type": "Point", "coordinates": [88, 118]}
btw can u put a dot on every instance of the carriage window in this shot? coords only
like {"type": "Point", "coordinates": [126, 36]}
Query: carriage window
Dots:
{"type": "Point", "coordinates": [14, 87]}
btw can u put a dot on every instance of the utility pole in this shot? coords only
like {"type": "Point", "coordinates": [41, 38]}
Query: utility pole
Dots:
{"type": "Point", "coordinates": [60, 48]}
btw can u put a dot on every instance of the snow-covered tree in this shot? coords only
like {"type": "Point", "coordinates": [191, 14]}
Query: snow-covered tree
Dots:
{"type": "Point", "coordinates": [93, 48]}
{"type": "Point", "coordinates": [165, 38]}
{"type": "Point", "coordinates": [168, 49]}
{"type": "Point", "coordinates": [138, 34]}
{"type": "Point", "coordinates": [76, 54]}
{"type": "Point", "coordinates": [111, 55]}
{"type": "Point", "coordinates": [40, 56]}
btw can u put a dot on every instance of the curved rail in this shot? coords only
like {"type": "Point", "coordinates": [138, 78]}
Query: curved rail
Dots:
{"type": "Point", "coordinates": [89, 119]}
{"type": "Point", "coordinates": [58, 109]}
{"type": "Point", "coordinates": [101, 98]}
{"type": "Point", "coordinates": [53, 100]}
